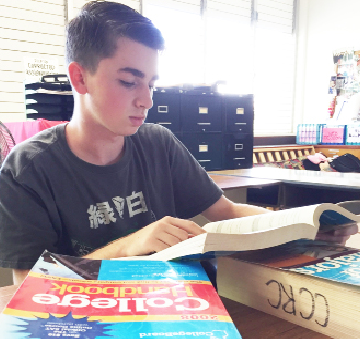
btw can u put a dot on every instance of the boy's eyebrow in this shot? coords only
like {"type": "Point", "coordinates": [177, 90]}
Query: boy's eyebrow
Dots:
{"type": "Point", "coordinates": [135, 72]}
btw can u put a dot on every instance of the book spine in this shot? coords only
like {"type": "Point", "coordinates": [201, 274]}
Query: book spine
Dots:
{"type": "Point", "coordinates": [323, 306]}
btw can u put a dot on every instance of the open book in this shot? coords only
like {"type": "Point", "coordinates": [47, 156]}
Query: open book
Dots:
{"type": "Point", "coordinates": [264, 230]}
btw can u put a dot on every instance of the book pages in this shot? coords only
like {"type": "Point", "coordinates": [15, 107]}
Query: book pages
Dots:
{"type": "Point", "coordinates": [261, 222]}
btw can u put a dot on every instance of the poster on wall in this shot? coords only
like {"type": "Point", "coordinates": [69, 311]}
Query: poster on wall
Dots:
{"type": "Point", "coordinates": [35, 68]}
{"type": "Point", "coordinates": [344, 88]}
{"type": "Point", "coordinates": [346, 66]}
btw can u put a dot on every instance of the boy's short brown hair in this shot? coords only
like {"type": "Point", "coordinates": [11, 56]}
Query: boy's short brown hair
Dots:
{"type": "Point", "coordinates": [93, 34]}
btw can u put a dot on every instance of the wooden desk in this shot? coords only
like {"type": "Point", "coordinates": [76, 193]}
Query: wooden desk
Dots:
{"type": "Point", "coordinates": [299, 188]}
{"type": "Point", "coordinates": [252, 324]}
{"type": "Point", "coordinates": [348, 181]}
{"type": "Point", "coordinates": [242, 189]}
{"type": "Point", "coordinates": [226, 182]}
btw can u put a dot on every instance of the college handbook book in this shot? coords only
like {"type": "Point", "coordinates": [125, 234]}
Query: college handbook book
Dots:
{"type": "Point", "coordinates": [70, 297]}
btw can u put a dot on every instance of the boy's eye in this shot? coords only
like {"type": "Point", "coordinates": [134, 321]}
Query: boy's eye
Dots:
{"type": "Point", "coordinates": [126, 83]}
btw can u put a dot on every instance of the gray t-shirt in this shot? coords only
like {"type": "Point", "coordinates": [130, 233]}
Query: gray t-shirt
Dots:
{"type": "Point", "coordinates": [51, 199]}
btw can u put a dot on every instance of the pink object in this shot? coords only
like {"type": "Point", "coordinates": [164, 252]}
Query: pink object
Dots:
{"type": "Point", "coordinates": [317, 158]}
{"type": "Point", "coordinates": [25, 130]}
{"type": "Point", "coordinates": [333, 135]}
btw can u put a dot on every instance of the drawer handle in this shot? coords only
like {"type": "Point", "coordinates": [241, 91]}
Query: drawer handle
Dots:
{"type": "Point", "coordinates": [239, 111]}
{"type": "Point", "coordinates": [240, 123]}
{"type": "Point", "coordinates": [239, 158]}
{"type": "Point", "coordinates": [203, 148]}
{"type": "Point", "coordinates": [204, 123]}
{"type": "Point", "coordinates": [203, 110]}
{"type": "Point", "coordinates": [163, 109]}
{"type": "Point", "coordinates": [204, 160]}
{"type": "Point", "coordinates": [164, 123]}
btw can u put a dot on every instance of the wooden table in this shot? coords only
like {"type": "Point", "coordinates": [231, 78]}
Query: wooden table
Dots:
{"type": "Point", "coordinates": [300, 188]}
{"type": "Point", "coordinates": [252, 324]}
{"type": "Point", "coordinates": [240, 189]}
{"type": "Point", "coordinates": [226, 182]}
{"type": "Point", "coordinates": [347, 181]}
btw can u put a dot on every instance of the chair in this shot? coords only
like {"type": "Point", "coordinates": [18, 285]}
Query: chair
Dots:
{"type": "Point", "coordinates": [7, 142]}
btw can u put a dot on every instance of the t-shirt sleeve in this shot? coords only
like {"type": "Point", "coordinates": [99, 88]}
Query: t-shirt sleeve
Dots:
{"type": "Point", "coordinates": [194, 190]}
{"type": "Point", "coordinates": [25, 227]}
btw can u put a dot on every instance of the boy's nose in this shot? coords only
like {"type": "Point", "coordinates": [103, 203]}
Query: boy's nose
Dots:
{"type": "Point", "coordinates": [145, 98]}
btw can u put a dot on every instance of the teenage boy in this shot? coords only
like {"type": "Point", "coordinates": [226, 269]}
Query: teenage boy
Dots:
{"type": "Point", "coordinates": [105, 184]}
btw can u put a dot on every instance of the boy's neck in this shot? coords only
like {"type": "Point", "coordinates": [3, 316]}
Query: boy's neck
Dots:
{"type": "Point", "coordinates": [88, 143]}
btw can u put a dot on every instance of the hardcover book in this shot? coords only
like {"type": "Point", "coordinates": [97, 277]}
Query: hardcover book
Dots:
{"type": "Point", "coordinates": [70, 297]}
{"type": "Point", "coordinates": [263, 230]}
{"type": "Point", "coordinates": [309, 283]}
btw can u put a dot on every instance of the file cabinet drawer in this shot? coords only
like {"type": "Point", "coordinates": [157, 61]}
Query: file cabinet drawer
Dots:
{"type": "Point", "coordinates": [237, 150]}
{"type": "Point", "coordinates": [201, 113]}
{"type": "Point", "coordinates": [165, 110]}
{"type": "Point", "coordinates": [239, 113]}
{"type": "Point", "coordinates": [206, 148]}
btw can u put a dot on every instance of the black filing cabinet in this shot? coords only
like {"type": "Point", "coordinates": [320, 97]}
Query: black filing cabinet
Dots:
{"type": "Point", "coordinates": [216, 129]}
{"type": "Point", "coordinates": [201, 112]}
{"type": "Point", "coordinates": [165, 110]}
{"type": "Point", "coordinates": [206, 148]}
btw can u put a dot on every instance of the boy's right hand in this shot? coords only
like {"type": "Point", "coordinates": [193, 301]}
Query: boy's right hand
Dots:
{"type": "Point", "coordinates": [157, 236]}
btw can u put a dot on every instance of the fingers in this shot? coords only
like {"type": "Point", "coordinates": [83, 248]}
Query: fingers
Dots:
{"type": "Point", "coordinates": [340, 235]}
{"type": "Point", "coordinates": [171, 231]}
{"type": "Point", "coordinates": [339, 239]}
{"type": "Point", "coordinates": [349, 229]}
{"type": "Point", "coordinates": [161, 234]}
{"type": "Point", "coordinates": [187, 225]}
{"type": "Point", "coordinates": [172, 239]}
{"type": "Point", "coordinates": [156, 245]}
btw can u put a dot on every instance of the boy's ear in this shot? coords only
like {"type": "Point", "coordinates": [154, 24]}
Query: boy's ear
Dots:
{"type": "Point", "coordinates": [77, 77]}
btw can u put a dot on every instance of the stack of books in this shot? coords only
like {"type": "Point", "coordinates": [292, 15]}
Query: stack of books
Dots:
{"type": "Point", "coordinates": [312, 284]}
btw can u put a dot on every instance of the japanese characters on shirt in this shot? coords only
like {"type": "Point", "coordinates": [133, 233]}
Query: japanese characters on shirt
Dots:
{"type": "Point", "coordinates": [104, 213]}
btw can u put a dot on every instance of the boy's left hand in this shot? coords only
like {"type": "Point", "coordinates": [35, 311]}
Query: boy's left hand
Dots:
{"type": "Point", "coordinates": [339, 236]}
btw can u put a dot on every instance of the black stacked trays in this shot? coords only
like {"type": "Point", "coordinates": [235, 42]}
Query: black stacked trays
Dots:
{"type": "Point", "coordinates": [49, 100]}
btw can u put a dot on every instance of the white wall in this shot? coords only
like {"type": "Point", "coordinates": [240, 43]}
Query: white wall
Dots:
{"type": "Point", "coordinates": [324, 26]}
{"type": "Point", "coordinates": [28, 29]}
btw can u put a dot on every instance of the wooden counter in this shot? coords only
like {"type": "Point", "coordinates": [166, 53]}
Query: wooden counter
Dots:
{"type": "Point", "coordinates": [332, 150]}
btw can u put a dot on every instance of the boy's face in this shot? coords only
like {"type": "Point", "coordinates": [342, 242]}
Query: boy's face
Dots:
{"type": "Point", "coordinates": [119, 94]}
